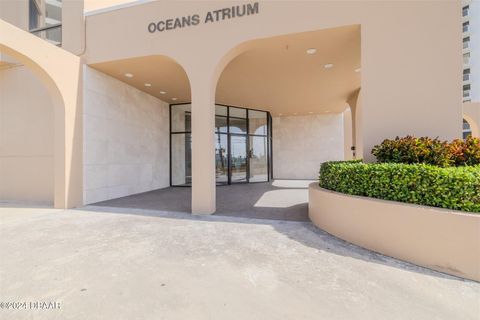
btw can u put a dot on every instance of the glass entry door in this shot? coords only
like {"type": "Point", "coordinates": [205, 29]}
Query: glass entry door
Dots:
{"type": "Point", "coordinates": [258, 159]}
{"type": "Point", "coordinates": [243, 145]}
{"type": "Point", "coordinates": [238, 158]}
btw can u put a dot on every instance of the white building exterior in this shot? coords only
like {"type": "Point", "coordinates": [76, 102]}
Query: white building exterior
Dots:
{"type": "Point", "coordinates": [471, 50]}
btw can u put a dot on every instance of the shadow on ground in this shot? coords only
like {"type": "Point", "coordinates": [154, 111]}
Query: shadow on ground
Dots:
{"type": "Point", "coordinates": [301, 231]}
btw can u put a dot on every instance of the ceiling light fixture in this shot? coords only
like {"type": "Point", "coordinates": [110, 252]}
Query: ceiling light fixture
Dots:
{"type": "Point", "coordinates": [311, 51]}
{"type": "Point", "coordinates": [358, 70]}
{"type": "Point", "coordinates": [128, 75]}
{"type": "Point", "coordinates": [163, 92]}
{"type": "Point", "coordinates": [148, 84]}
{"type": "Point", "coordinates": [310, 112]}
{"type": "Point", "coordinates": [174, 99]}
{"type": "Point", "coordinates": [328, 66]}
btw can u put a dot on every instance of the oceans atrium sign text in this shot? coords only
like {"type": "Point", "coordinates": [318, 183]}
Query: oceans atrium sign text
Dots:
{"type": "Point", "coordinates": [210, 17]}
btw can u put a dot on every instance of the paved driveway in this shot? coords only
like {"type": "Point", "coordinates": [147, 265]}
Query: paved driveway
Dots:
{"type": "Point", "coordinates": [104, 263]}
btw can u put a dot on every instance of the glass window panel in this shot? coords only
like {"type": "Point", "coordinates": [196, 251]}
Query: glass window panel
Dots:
{"type": "Point", "coordinates": [181, 118]}
{"type": "Point", "coordinates": [221, 124]}
{"type": "Point", "coordinates": [257, 122]}
{"type": "Point", "coordinates": [258, 159]}
{"type": "Point", "coordinates": [181, 149]}
{"type": "Point", "coordinates": [53, 10]}
{"type": "Point", "coordinates": [52, 35]}
{"type": "Point", "coordinates": [221, 158]}
{"type": "Point", "coordinates": [238, 125]}
{"type": "Point", "coordinates": [238, 158]}
{"type": "Point", "coordinates": [44, 13]}
{"type": "Point", "coordinates": [237, 112]}
{"type": "Point", "coordinates": [221, 110]}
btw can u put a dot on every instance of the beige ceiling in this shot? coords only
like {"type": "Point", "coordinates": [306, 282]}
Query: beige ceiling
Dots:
{"type": "Point", "coordinates": [275, 74]}
{"type": "Point", "coordinates": [163, 73]}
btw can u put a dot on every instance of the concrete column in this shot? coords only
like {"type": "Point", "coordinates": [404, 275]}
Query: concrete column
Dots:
{"type": "Point", "coordinates": [203, 146]}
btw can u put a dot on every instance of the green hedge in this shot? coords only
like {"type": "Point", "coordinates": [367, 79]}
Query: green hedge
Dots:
{"type": "Point", "coordinates": [455, 188]}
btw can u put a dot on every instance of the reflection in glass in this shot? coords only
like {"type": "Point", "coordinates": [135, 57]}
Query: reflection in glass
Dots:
{"type": "Point", "coordinates": [257, 122]}
{"type": "Point", "coordinates": [238, 125]}
{"type": "Point", "coordinates": [238, 112]}
{"type": "Point", "coordinates": [242, 148]}
{"type": "Point", "coordinates": [258, 159]}
{"type": "Point", "coordinates": [181, 118]}
{"type": "Point", "coordinates": [221, 110]}
{"type": "Point", "coordinates": [221, 158]}
{"type": "Point", "coordinates": [181, 149]}
{"type": "Point", "coordinates": [221, 124]}
{"type": "Point", "coordinates": [238, 158]}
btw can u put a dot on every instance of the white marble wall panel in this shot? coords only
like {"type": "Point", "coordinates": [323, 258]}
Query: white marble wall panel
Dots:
{"type": "Point", "coordinates": [126, 139]}
{"type": "Point", "coordinates": [302, 143]}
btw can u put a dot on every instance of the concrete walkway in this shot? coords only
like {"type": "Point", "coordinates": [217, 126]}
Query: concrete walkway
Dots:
{"type": "Point", "coordinates": [112, 263]}
{"type": "Point", "coordinates": [279, 200]}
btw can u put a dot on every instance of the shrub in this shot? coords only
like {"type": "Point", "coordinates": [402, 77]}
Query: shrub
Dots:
{"type": "Point", "coordinates": [455, 188]}
{"type": "Point", "coordinates": [429, 151]}
{"type": "Point", "coordinates": [465, 152]}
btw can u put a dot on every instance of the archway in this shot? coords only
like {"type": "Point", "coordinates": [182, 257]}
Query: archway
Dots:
{"type": "Point", "coordinates": [304, 81]}
{"type": "Point", "coordinates": [469, 127]}
{"type": "Point", "coordinates": [60, 72]}
{"type": "Point", "coordinates": [145, 104]}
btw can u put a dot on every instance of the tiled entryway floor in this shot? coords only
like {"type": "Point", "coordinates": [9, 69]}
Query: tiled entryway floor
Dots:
{"type": "Point", "coordinates": [277, 200]}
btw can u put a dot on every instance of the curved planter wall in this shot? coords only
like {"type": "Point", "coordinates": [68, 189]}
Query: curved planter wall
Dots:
{"type": "Point", "coordinates": [439, 239]}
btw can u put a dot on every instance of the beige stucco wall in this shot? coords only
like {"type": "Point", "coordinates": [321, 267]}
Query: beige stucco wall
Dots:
{"type": "Point", "coordinates": [26, 137]}
{"type": "Point", "coordinates": [439, 239]}
{"type": "Point", "coordinates": [302, 143]}
{"type": "Point", "coordinates": [408, 62]}
{"type": "Point", "coordinates": [126, 144]}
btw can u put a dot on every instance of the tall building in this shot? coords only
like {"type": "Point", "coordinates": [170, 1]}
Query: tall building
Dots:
{"type": "Point", "coordinates": [471, 50]}
{"type": "Point", "coordinates": [471, 67]}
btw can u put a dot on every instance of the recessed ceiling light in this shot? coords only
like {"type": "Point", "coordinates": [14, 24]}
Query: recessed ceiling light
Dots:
{"type": "Point", "coordinates": [328, 66]}
{"type": "Point", "coordinates": [280, 114]}
{"type": "Point", "coordinates": [162, 92]}
{"type": "Point", "coordinates": [174, 99]}
{"type": "Point", "coordinates": [148, 84]}
{"type": "Point", "coordinates": [311, 51]}
{"type": "Point", "coordinates": [295, 113]}
{"type": "Point", "coordinates": [358, 70]}
{"type": "Point", "coordinates": [128, 75]}
{"type": "Point", "coordinates": [310, 112]}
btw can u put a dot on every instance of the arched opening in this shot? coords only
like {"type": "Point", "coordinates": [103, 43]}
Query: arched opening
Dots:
{"type": "Point", "coordinates": [27, 137]}
{"type": "Point", "coordinates": [62, 82]}
{"type": "Point", "coordinates": [466, 129]}
{"type": "Point", "coordinates": [469, 127]}
{"type": "Point", "coordinates": [138, 128]}
{"type": "Point", "coordinates": [304, 82]}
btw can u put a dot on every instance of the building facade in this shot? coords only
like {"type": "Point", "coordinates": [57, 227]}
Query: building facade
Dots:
{"type": "Point", "coordinates": [152, 94]}
{"type": "Point", "coordinates": [471, 67]}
